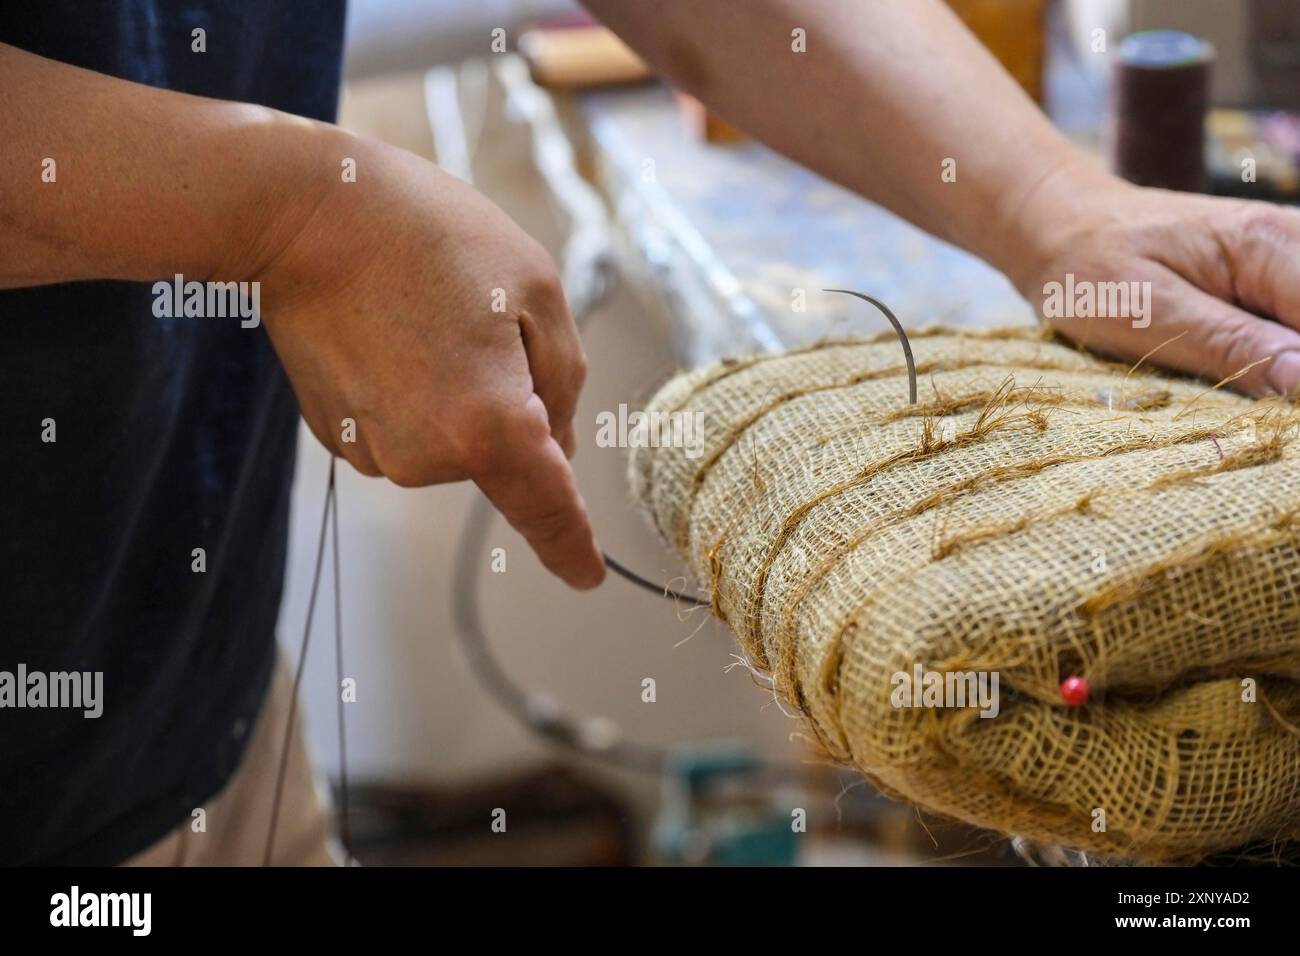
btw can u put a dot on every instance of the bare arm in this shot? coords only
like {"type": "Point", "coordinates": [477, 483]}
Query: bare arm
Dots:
{"type": "Point", "coordinates": [145, 182]}
{"type": "Point", "coordinates": [377, 293]}
{"type": "Point", "coordinates": [889, 89]}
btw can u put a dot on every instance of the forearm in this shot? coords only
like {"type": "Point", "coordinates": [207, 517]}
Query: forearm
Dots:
{"type": "Point", "coordinates": [886, 92]}
{"type": "Point", "coordinates": [144, 182]}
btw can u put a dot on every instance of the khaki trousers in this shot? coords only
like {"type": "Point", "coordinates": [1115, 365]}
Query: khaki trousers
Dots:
{"type": "Point", "coordinates": [239, 817]}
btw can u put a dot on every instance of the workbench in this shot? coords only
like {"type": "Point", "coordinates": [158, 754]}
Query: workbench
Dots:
{"type": "Point", "coordinates": [733, 239]}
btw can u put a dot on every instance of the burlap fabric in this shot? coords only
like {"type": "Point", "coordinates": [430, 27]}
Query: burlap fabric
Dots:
{"type": "Point", "coordinates": [1038, 514]}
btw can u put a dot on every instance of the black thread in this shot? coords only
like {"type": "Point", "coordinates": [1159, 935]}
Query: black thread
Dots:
{"type": "Point", "coordinates": [650, 586]}
{"type": "Point", "coordinates": [297, 680]}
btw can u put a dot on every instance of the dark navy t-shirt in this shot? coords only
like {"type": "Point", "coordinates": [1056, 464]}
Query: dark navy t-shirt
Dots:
{"type": "Point", "coordinates": [170, 435]}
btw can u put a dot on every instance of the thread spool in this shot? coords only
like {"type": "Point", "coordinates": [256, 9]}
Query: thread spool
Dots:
{"type": "Point", "coordinates": [1162, 91]}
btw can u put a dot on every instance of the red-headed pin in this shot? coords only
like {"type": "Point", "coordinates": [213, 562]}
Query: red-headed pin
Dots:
{"type": "Point", "coordinates": [1074, 691]}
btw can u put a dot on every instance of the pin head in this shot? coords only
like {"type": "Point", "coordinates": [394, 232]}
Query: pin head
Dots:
{"type": "Point", "coordinates": [1074, 691]}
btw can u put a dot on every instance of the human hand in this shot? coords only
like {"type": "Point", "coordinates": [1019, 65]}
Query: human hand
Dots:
{"type": "Point", "coordinates": [1224, 274]}
{"type": "Point", "coordinates": [408, 303]}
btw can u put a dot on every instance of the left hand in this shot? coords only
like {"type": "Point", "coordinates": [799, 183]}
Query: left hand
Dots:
{"type": "Point", "coordinates": [1224, 277]}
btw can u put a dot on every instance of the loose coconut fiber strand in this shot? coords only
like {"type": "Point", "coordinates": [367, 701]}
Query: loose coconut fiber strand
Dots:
{"type": "Point", "coordinates": [1040, 514]}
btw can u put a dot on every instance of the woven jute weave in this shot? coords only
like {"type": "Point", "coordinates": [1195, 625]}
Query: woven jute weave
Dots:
{"type": "Point", "coordinates": [1038, 514]}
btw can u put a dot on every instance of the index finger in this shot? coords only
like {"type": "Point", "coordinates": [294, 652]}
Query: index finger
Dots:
{"type": "Point", "coordinates": [528, 479]}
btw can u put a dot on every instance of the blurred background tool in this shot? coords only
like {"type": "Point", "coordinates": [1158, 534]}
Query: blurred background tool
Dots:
{"type": "Point", "coordinates": [579, 57]}
{"type": "Point", "coordinates": [717, 811]}
{"type": "Point", "coordinates": [1254, 154]}
{"type": "Point", "coordinates": [1015, 32]}
{"type": "Point", "coordinates": [1162, 88]}
{"type": "Point", "coordinates": [705, 124]}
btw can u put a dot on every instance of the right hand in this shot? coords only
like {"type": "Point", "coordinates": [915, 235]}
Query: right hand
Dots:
{"type": "Point", "coordinates": [380, 307]}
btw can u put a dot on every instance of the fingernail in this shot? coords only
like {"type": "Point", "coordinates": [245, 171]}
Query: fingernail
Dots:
{"type": "Point", "coordinates": [588, 579]}
{"type": "Point", "coordinates": [1284, 372]}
